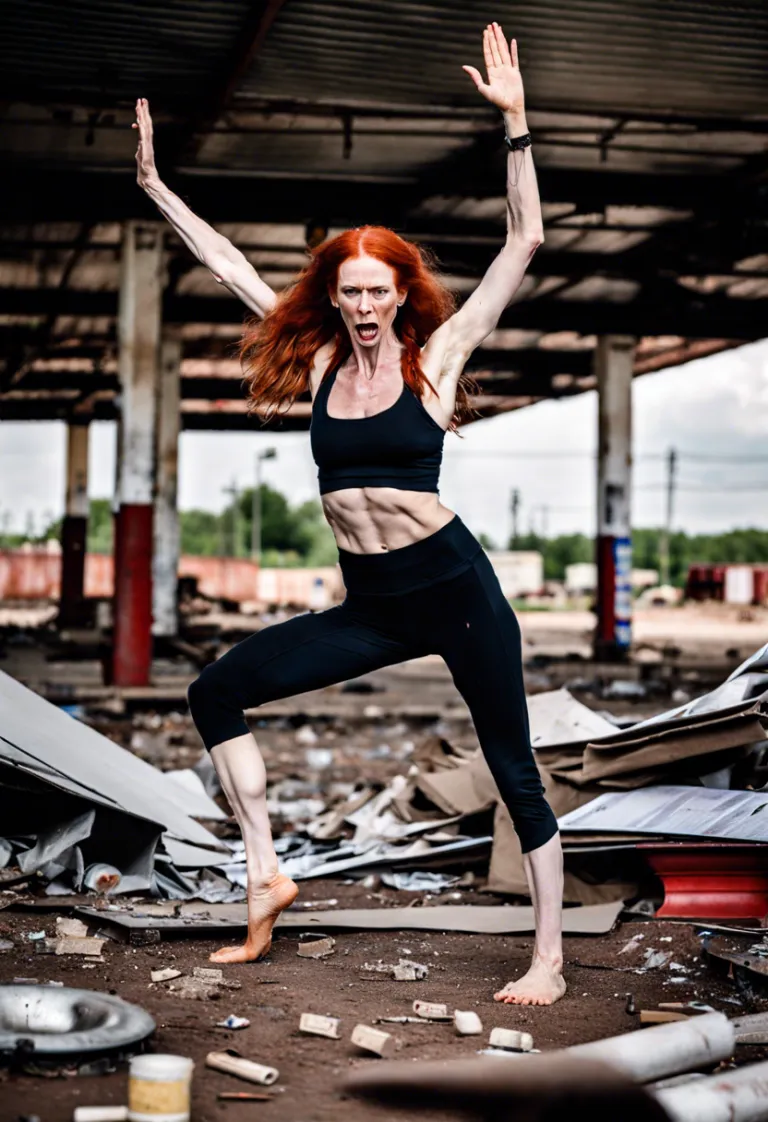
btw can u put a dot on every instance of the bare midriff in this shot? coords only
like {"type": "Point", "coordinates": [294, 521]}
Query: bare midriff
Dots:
{"type": "Point", "coordinates": [379, 519]}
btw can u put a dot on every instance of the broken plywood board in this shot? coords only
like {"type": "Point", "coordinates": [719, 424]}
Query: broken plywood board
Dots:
{"type": "Point", "coordinates": [213, 918]}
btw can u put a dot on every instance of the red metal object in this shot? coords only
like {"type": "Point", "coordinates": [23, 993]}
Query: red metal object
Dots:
{"type": "Point", "coordinates": [132, 653]}
{"type": "Point", "coordinates": [710, 880]}
{"type": "Point", "coordinates": [73, 534]}
{"type": "Point", "coordinates": [606, 592]}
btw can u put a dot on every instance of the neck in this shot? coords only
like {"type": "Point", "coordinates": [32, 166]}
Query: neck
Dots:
{"type": "Point", "coordinates": [370, 359]}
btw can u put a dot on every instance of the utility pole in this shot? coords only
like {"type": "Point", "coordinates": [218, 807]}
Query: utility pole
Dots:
{"type": "Point", "coordinates": [514, 506]}
{"type": "Point", "coordinates": [267, 454]}
{"type": "Point", "coordinates": [664, 566]}
{"type": "Point", "coordinates": [234, 493]}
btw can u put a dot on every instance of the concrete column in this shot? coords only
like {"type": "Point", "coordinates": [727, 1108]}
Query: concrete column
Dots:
{"type": "Point", "coordinates": [165, 565]}
{"type": "Point", "coordinates": [139, 318]}
{"type": "Point", "coordinates": [614, 359]}
{"type": "Point", "coordinates": [74, 527]}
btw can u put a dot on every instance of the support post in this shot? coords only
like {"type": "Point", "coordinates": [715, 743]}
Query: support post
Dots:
{"type": "Point", "coordinates": [139, 317]}
{"type": "Point", "coordinates": [165, 564]}
{"type": "Point", "coordinates": [74, 528]}
{"type": "Point", "coordinates": [666, 533]}
{"type": "Point", "coordinates": [614, 359]}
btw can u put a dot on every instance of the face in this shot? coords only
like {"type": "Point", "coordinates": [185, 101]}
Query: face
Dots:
{"type": "Point", "coordinates": [367, 297]}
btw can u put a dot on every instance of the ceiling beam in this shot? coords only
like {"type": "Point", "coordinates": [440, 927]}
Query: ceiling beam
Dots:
{"type": "Point", "coordinates": [665, 310]}
{"type": "Point", "coordinates": [25, 197]}
{"type": "Point", "coordinates": [191, 136]}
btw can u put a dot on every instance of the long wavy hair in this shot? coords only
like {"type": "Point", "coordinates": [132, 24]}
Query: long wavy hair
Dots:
{"type": "Point", "coordinates": [277, 352]}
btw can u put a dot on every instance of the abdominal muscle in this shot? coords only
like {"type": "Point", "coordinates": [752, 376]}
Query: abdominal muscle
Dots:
{"type": "Point", "coordinates": [379, 519]}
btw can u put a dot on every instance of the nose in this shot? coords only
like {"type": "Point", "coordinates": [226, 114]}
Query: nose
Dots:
{"type": "Point", "coordinates": [365, 302]}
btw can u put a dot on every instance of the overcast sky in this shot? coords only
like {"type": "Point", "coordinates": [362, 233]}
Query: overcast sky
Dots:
{"type": "Point", "coordinates": [714, 407]}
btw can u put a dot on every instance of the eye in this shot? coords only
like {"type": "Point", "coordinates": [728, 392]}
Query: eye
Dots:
{"type": "Point", "coordinates": [382, 291]}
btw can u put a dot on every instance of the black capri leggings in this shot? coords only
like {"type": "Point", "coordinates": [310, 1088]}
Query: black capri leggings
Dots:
{"type": "Point", "coordinates": [437, 596]}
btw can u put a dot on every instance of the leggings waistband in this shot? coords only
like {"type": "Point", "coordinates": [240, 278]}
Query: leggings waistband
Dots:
{"type": "Point", "coordinates": [442, 555]}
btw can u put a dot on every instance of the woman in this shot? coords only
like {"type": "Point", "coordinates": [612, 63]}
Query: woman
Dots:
{"type": "Point", "coordinates": [371, 332]}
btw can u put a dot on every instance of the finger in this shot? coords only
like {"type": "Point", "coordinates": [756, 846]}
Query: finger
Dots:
{"type": "Point", "coordinates": [501, 43]}
{"type": "Point", "coordinates": [494, 45]}
{"type": "Point", "coordinates": [515, 63]}
{"type": "Point", "coordinates": [487, 54]}
{"type": "Point", "coordinates": [476, 77]}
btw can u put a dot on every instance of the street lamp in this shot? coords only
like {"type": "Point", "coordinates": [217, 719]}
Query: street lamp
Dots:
{"type": "Point", "coordinates": [267, 454]}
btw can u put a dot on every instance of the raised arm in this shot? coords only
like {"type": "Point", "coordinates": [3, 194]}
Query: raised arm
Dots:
{"type": "Point", "coordinates": [480, 314]}
{"type": "Point", "coordinates": [227, 264]}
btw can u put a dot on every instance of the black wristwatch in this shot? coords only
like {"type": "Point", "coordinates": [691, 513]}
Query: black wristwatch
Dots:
{"type": "Point", "coordinates": [517, 143]}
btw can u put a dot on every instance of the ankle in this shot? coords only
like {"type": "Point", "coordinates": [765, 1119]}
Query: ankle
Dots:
{"type": "Point", "coordinates": [553, 960]}
{"type": "Point", "coordinates": [262, 878]}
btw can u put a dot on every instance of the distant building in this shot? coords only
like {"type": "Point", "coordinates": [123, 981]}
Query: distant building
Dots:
{"type": "Point", "coordinates": [520, 572]}
{"type": "Point", "coordinates": [730, 583]}
{"type": "Point", "coordinates": [581, 578]}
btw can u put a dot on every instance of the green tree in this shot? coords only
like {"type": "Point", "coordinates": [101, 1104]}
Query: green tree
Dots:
{"type": "Point", "coordinates": [200, 532]}
{"type": "Point", "coordinates": [100, 526]}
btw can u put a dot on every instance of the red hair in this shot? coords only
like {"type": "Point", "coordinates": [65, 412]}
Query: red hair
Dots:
{"type": "Point", "coordinates": [277, 352]}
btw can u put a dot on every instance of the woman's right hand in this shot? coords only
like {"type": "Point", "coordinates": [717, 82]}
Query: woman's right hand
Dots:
{"type": "Point", "coordinates": [146, 172]}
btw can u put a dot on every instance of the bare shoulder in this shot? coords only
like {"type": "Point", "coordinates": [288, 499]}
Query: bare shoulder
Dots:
{"type": "Point", "coordinates": [323, 356]}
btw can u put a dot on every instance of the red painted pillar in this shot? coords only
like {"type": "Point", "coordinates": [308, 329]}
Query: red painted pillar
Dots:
{"type": "Point", "coordinates": [138, 362]}
{"type": "Point", "coordinates": [614, 360]}
{"type": "Point", "coordinates": [74, 528]}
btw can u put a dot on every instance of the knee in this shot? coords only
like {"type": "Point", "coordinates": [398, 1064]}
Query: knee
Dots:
{"type": "Point", "coordinates": [205, 691]}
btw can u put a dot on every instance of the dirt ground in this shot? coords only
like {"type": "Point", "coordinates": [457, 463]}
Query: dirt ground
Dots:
{"type": "Point", "coordinates": [464, 972]}
{"type": "Point", "coordinates": [370, 735]}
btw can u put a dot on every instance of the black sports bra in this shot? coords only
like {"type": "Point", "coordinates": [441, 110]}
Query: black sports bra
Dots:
{"type": "Point", "coordinates": [398, 447]}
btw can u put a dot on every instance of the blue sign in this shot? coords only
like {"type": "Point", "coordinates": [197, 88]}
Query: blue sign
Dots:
{"type": "Point", "coordinates": [622, 605]}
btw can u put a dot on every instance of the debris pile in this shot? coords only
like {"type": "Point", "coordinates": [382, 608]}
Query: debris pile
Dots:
{"type": "Point", "coordinates": [79, 812]}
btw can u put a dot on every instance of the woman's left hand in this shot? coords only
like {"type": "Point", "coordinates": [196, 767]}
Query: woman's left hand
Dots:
{"type": "Point", "coordinates": [504, 87]}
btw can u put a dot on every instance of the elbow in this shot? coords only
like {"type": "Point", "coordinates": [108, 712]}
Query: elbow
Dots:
{"type": "Point", "coordinates": [532, 240]}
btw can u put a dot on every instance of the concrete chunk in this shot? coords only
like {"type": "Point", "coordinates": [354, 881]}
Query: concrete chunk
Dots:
{"type": "Point", "coordinates": [373, 1040]}
{"type": "Point", "coordinates": [317, 1025]}
{"type": "Point", "coordinates": [467, 1023]}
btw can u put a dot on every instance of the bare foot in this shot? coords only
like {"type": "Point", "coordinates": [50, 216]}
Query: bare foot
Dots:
{"type": "Point", "coordinates": [542, 985]}
{"type": "Point", "coordinates": [265, 903]}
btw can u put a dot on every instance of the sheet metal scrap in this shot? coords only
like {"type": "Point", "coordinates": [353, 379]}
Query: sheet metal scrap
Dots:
{"type": "Point", "coordinates": [741, 964]}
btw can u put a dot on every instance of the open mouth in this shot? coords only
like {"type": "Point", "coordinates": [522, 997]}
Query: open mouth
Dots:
{"type": "Point", "coordinates": [367, 332]}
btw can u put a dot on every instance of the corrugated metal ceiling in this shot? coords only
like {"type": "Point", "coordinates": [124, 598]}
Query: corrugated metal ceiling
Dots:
{"type": "Point", "coordinates": [698, 56]}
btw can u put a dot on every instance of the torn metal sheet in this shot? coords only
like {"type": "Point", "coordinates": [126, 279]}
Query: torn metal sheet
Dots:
{"type": "Point", "coordinates": [186, 856]}
{"type": "Point", "coordinates": [675, 811]}
{"type": "Point", "coordinates": [46, 741]}
{"type": "Point", "coordinates": [596, 920]}
{"type": "Point", "coordinates": [56, 842]}
{"type": "Point", "coordinates": [82, 800]}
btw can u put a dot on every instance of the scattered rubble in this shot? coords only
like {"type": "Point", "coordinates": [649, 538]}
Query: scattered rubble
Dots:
{"type": "Point", "coordinates": [467, 1023]}
{"type": "Point", "coordinates": [231, 1062]}
{"type": "Point", "coordinates": [316, 947]}
{"type": "Point", "coordinates": [373, 1040]}
{"type": "Point", "coordinates": [233, 1022]}
{"type": "Point", "coordinates": [510, 1040]}
{"type": "Point", "coordinates": [403, 971]}
{"type": "Point", "coordinates": [316, 1025]}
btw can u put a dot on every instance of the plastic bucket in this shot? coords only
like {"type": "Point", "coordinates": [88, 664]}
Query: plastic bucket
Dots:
{"type": "Point", "coordinates": [159, 1088]}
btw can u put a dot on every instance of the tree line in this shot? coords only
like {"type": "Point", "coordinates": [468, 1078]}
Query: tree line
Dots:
{"type": "Point", "coordinates": [298, 535]}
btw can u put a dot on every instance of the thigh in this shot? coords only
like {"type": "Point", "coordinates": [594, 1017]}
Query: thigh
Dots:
{"type": "Point", "coordinates": [480, 641]}
{"type": "Point", "coordinates": [305, 653]}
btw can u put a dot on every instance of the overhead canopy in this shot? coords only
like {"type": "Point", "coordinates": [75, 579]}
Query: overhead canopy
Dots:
{"type": "Point", "coordinates": [278, 118]}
